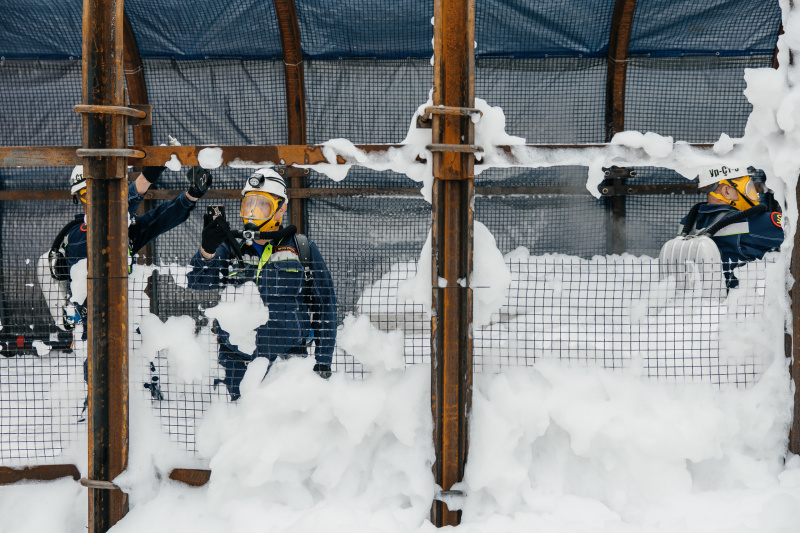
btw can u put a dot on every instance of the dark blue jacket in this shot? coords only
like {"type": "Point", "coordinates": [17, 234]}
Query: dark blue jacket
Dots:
{"type": "Point", "coordinates": [298, 311]}
{"type": "Point", "coordinates": [143, 228]}
{"type": "Point", "coordinates": [743, 241]}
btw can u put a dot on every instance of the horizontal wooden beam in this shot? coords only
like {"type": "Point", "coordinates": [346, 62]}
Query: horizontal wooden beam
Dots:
{"type": "Point", "coordinates": [38, 473]}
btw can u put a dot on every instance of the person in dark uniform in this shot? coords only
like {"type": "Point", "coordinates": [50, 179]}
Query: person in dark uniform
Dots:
{"type": "Point", "coordinates": [70, 245]}
{"type": "Point", "coordinates": [289, 271]}
{"type": "Point", "coordinates": [755, 230]}
{"type": "Point", "coordinates": [142, 229]}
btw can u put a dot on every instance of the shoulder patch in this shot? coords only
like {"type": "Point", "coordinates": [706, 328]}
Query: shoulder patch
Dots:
{"type": "Point", "coordinates": [83, 226]}
{"type": "Point", "coordinates": [284, 253]}
{"type": "Point", "coordinates": [777, 218]}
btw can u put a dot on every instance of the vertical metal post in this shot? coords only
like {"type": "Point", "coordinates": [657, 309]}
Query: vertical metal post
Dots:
{"type": "Point", "coordinates": [616, 236]}
{"type": "Point", "coordinates": [794, 431]}
{"type": "Point", "coordinates": [453, 189]}
{"type": "Point", "coordinates": [289, 28]}
{"type": "Point", "coordinates": [107, 234]}
{"type": "Point", "coordinates": [618, 44]}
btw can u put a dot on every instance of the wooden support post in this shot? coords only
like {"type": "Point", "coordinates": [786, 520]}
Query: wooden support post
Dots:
{"type": "Point", "coordinates": [107, 236]}
{"type": "Point", "coordinates": [453, 189]}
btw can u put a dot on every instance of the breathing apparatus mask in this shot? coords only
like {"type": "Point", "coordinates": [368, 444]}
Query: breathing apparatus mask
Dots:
{"type": "Point", "coordinates": [264, 195]}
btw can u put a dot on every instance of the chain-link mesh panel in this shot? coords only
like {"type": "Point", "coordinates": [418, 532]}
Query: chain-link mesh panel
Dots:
{"type": "Point", "coordinates": [364, 237]}
{"type": "Point", "coordinates": [651, 220]}
{"type": "Point", "coordinates": [42, 406]}
{"type": "Point", "coordinates": [363, 178]}
{"type": "Point", "coordinates": [547, 224]}
{"type": "Point", "coordinates": [32, 226]}
{"type": "Point", "coordinates": [621, 312]}
{"type": "Point", "coordinates": [555, 100]}
{"type": "Point", "coordinates": [217, 101]}
{"type": "Point", "coordinates": [42, 387]}
{"type": "Point", "coordinates": [566, 176]}
{"type": "Point", "coordinates": [364, 101]}
{"type": "Point", "coordinates": [691, 99]}
{"type": "Point", "coordinates": [716, 26]}
{"type": "Point", "coordinates": [36, 100]}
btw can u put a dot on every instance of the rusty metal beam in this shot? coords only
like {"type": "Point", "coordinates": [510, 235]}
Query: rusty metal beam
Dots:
{"type": "Point", "coordinates": [405, 192]}
{"type": "Point", "coordinates": [621, 25]}
{"type": "Point", "coordinates": [192, 477]}
{"type": "Point", "coordinates": [289, 28]}
{"type": "Point", "coordinates": [617, 68]}
{"type": "Point", "coordinates": [775, 52]}
{"type": "Point", "coordinates": [37, 473]}
{"type": "Point", "coordinates": [107, 279]}
{"type": "Point", "coordinates": [451, 238]}
{"type": "Point", "coordinates": [277, 155]}
{"type": "Point", "coordinates": [133, 69]}
{"type": "Point", "coordinates": [134, 80]}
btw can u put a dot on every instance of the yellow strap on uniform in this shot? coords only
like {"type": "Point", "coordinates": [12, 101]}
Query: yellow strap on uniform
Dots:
{"type": "Point", "coordinates": [264, 258]}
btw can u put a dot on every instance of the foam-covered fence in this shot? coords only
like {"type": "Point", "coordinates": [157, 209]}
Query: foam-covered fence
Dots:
{"type": "Point", "coordinates": [613, 312]}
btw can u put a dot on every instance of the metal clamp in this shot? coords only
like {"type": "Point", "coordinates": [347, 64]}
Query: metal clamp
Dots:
{"type": "Point", "coordinates": [425, 121]}
{"type": "Point", "coordinates": [110, 152]}
{"type": "Point", "coordinates": [138, 114]}
{"type": "Point", "coordinates": [464, 148]}
{"type": "Point", "coordinates": [95, 484]}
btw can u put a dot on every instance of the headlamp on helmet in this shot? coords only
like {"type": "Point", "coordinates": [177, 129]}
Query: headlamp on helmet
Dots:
{"type": "Point", "coordinates": [266, 180]}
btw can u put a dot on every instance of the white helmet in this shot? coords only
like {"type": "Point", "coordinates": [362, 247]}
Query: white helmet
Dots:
{"type": "Point", "coordinates": [77, 181]}
{"type": "Point", "coordinates": [266, 180]}
{"type": "Point", "coordinates": [712, 175]}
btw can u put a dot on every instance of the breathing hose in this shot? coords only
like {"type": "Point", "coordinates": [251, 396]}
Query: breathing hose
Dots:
{"type": "Point", "coordinates": [691, 218]}
{"type": "Point", "coordinates": [732, 219]}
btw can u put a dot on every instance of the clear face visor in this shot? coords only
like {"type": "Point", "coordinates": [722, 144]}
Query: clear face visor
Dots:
{"type": "Point", "coordinates": [745, 185]}
{"type": "Point", "coordinates": [259, 207]}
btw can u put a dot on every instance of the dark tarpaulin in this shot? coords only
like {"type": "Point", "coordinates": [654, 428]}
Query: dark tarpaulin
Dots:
{"type": "Point", "coordinates": [737, 27]}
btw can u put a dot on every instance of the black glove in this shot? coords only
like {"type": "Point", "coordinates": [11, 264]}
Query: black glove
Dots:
{"type": "Point", "coordinates": [199, 181]}
{"type": "Point", "coordinates": [324, 371]}
{"type": "Point", "coordinates": [214, 232]}
{"type": "Point", "coordinates": [152, 174]}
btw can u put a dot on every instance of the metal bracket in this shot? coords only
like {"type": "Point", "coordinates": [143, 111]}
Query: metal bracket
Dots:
{"type": "Point", "coordinates": [294, 172]}
{"type": "Point", "coordinates": [138, 114]}
{"type": "Point", "coordinates": [425, 121]}
{"type": "Point", "coordinates": [614, 182]}
{"type": "Point", "coordinates": [619, 172]}
{"type": "Point", "coordinates": [463, 148]}
{"type": "Point", "coordinates": [95, 484]}
{"type": "Point", "coordinates": [110, 152]}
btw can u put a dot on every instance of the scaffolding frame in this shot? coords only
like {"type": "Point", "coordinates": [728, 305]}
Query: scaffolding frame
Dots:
{"type": "Point", "coordinates": [105, 155]}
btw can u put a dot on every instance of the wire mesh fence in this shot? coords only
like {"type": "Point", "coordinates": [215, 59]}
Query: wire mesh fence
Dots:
{"type": "Point", "coordinates": [614, 312]}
